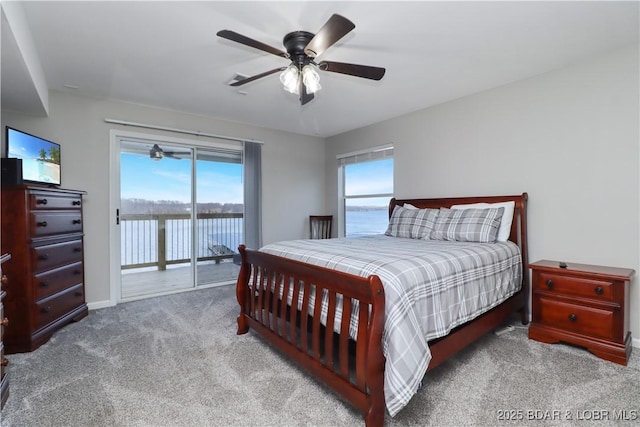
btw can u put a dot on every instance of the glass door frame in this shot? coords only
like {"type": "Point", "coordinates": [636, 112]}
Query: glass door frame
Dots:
{"type": "Point", "coordinates": [116, 136]}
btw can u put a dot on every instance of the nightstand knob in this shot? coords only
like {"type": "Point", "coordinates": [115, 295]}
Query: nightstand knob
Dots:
{"type": "Point", "coordinates": [4, 322]}
{"type": "Point", "coordinates": [4, 362]}
{"type": "Point", "coordinates": [573, 317]}
{"type": "Point", "coordinates": [550, 284]}
{"type": "Point", "coordinates": [599, 290]}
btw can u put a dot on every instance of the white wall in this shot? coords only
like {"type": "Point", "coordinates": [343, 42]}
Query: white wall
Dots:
{"type": "Point", "coordinates": [570, 138]}
{"type": "Point", "coordinates": [292, 168]}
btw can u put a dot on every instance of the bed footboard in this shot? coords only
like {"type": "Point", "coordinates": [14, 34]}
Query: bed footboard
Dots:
{"type": "Point", "coordinates": [277, 300]}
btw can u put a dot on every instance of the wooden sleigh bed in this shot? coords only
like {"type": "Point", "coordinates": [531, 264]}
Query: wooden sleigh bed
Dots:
{"type": "Point", "coordinates": [348, 356]}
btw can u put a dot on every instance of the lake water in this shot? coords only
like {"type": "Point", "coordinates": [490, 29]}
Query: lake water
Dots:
{"type": "Point", "coordinates": [362, 222]}
{"type": "Point", "coordinates": [139, 238]}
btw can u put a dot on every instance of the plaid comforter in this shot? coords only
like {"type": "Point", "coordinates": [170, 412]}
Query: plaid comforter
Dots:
{"type": "Point", "coordinates": [430, 288]}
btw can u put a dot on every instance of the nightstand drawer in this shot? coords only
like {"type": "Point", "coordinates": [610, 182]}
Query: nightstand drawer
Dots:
{"type": "Point", "coordinates": [577, 318]}
{"type": "Point", "coordinates": [578, 286]}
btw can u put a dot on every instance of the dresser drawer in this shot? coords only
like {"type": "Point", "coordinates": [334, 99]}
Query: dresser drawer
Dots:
{"type": "Point", "coordinates": [3, 361]}
{"type": "Point", "coordinates": [57, 254]}
{"type": "Point", "coordinates": [47, 223]}
{"type": "Point", "coordinates": [2, 321]}
{"type": "Point", "coordinates": [48, 201]}
{"type": "Point", "coordinates": [576, 318]}
{"type": "Point", "coordinates": [52, 281]}
{"type": "Point", "coordinates": [53, 307]}
{"type": "Point", "coordinates": [589, 288]}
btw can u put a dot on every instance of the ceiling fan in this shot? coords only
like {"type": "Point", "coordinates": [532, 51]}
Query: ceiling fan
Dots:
{"type": "Point", "coordinates": [157, 153]}
{"type": "Point", "coordinates": [301, 76]}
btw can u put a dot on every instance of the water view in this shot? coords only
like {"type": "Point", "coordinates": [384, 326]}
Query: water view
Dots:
{"type": "Point", "coordinates": [369, 220]}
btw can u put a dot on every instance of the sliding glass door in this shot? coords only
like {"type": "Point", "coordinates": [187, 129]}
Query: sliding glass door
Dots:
{"type": "Point", "coordinates": [219, 214]}
{"type": "Point", "coordinates": [180, 216]}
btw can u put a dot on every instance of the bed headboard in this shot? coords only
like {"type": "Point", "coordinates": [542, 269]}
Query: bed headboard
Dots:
{"type": "Point", "coordinates": [518, 233]}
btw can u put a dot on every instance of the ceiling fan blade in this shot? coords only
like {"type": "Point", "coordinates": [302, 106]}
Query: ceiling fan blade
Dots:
{"type": "Point", "coordinates": [364, 71]}
{"type": "Point", "coordinates": [239, 38]}
{"type": "Point", "coordinates": [304, 95]}
{"type": "Point", "coordinates": [257, 76]}
{"type": "Point", "coordinates": [177, 153]}
{"type": "Point", "coordinates": [333, 30]}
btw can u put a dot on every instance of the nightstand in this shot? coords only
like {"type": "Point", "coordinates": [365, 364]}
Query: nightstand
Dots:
{"type": "Point", "coordinates": [584, 305]}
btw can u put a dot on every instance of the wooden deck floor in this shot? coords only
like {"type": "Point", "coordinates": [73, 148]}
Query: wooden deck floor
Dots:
{"type": "Point", "coordinates": [136, 283]}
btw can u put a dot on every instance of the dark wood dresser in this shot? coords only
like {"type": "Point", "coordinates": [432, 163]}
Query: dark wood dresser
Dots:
{"type": "Point", "coordinates": [42, 229]}
{"type": "Point", "coordinates": [584, 305]}
{"type": "Point", "coordinates": [4, 322]}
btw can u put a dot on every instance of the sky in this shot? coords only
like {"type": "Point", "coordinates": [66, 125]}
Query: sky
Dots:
{"type": "Point", "coordinates": [375, 177]}
{"type": "Point", "coordinates": [169, 179]}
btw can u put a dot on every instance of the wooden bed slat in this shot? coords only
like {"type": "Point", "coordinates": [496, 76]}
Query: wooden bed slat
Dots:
{"type": "Point", "coordinates": [304, 317]}
{"type": "Point", "coordinates": [328, 339]}
{"type": "Point", "coordinates": [294, 313]}
{"type": "Point", "coordinates": [361, 349]}
{"type": "Point", "coordinates": [315, 333]}
{"type": "Point", "coordinates": [344, 336]}
{"type": "Point", "coordinates": [283, 306]}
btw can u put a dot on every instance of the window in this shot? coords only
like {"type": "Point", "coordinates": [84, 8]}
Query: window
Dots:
{"type": "Point", "coordinates": [366, 181]}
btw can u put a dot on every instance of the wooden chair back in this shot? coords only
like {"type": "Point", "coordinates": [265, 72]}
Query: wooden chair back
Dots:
{"type": "Point", "coordinates": [320, 226]}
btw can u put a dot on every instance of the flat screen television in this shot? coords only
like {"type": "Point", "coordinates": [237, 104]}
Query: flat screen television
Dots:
{"type": "Point", "coordinates": [40, 157]}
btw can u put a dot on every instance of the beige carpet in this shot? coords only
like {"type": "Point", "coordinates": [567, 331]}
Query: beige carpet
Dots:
{"type": "Point", "coordinates": [176, 361]}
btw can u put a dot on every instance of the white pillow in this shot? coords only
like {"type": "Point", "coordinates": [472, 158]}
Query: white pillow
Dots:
{"type": "Point", "coordinates": [507, 216]}
{"type": "Point", "coordinates": [409, 206]}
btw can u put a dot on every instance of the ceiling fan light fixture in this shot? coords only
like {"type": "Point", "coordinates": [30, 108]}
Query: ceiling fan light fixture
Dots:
{"type": "Point", "coordinates": [302, 47]}
{"type": "Point", "coordinates": [311, 79]}
{"type": "Point", "coordinates": [289, 79]}
{"type": "Point", "coordinates": [155, 153]}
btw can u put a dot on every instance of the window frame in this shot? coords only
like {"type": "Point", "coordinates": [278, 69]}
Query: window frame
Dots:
{"type": "Point", "coordinates": [362, 156]}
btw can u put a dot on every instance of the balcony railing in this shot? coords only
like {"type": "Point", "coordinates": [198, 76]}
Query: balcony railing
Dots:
{"type": "Point", "coordinates": [149, 240]}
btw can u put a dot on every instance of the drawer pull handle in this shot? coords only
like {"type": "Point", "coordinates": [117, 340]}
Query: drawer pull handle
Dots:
{"type": "Point", "coordinates": [550, 284]}
{"type": "Point", "coordinates": [43, 257]}
{"type": "Point", "coordinates": [573, 317]}
{"type": "Point", "coordinates": [77, 249]}
{"type": "Point", "coordinates": [599, 290]}
{"type": "Point", "coordinates": [42, 224]}
{"type": "Point", "coordinates": [78, 293]}
{"type": "Point", "coordinates": [4, 322]}
{"type": "Point", "coordinates": [41, 201]}
{"type": "Point", "coordinates": [4, 361]}
{"type": "Point", "coordinates": [76, 272]}
{"type": "Point", "coordinates": [76, 203]}
{"type": "Point", "coordinates": [44, 284]}
{"type": "Point", "coordinates": [4, 279]}
{"type": "Point", "coordinates": [46, 309]}
{"type": "Point", "coordinates": [77, 221]}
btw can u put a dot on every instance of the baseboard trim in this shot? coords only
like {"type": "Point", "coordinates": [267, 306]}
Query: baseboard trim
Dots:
{"type": "Point", "coordinates": [635, 342]}
{"type": "Point", "coordinates": [100, 304]}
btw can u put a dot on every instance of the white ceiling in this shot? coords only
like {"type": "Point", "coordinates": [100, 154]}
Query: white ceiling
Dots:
{"type": "Point", "coordinates": [167, 54]}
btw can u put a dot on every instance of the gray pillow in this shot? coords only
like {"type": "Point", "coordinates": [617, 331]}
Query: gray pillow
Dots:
{"type": "Point", "coordinates": [468, 225]}
{"type": "Point", "coordinates": [411, 223]}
